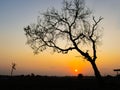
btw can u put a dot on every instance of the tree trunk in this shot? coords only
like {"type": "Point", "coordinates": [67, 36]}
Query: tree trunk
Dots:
{"type": "Point", "coordinates": [11, 72]}
{"type": "Point", "coordinates": [96, 71]}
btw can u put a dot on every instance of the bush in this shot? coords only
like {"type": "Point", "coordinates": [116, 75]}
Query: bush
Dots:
{"type": "Point", "coordinates": [80, 76]}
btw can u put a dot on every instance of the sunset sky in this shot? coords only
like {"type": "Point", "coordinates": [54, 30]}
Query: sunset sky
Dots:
{"type": "Point", "coordinates": [16, 14]}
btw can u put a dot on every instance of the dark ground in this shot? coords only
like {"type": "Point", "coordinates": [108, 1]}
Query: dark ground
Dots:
{"type": "Point", "coordinates": [57, 83]}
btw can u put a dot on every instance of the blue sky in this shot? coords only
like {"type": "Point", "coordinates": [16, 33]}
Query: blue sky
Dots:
{"type": "Point", "coordinates": [16, 14]}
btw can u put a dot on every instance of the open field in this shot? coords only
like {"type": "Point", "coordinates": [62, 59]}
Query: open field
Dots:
{"type": "Point", "coordinates": [57, 83]}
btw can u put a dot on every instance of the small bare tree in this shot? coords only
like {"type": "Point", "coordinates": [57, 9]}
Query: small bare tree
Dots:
{"type": "Point", "coordinates": [67, 30]}
{"type": "Point", "coordinates": [13, 68]}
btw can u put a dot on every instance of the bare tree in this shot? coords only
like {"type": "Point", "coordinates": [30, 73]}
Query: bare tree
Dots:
{"type": "Point", "coordinates": [13, 68]}
{"type": "Point", "coordinates": [67, 30]}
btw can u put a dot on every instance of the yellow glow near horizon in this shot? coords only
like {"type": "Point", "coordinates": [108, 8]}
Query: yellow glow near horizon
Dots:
{"type": "Point", "coordinates": [76, 70]}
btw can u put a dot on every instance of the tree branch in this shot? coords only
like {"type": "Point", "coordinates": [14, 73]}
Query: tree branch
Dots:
{"type": "Point", "coordinates": [80, 35]}
{"type": "Point", "coordinates": [94, 25]}
{"type": "Point", "coordinates": [92, 34]}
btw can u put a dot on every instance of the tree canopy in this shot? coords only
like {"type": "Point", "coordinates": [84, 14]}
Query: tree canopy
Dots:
{"type": "Point", "coordinates": [70, 28]}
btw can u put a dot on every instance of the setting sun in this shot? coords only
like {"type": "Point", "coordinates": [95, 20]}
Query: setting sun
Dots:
{"type": "Point", "coordinates": [76, 70]}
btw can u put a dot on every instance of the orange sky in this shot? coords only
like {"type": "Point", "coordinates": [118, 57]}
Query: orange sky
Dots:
{"type": "Point", "coordinates": [14, 18]}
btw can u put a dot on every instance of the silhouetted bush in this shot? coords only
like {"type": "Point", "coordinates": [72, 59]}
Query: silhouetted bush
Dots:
{"type": "Point", "coordinates": [32, 74]}
{"type": "Point", "coordinates": [118, 75]}
{"type": "Point", "coordinates": [80, 76]}
{"type": "Point", "coordinates": [109, 76]}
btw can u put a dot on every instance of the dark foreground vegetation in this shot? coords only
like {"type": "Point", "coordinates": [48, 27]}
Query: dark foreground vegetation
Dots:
{"type": "Point", "coordinates": [32, 82]}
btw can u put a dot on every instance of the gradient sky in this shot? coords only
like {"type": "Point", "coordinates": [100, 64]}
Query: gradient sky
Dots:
{"type": "Point", "coordinates": [16, 14]}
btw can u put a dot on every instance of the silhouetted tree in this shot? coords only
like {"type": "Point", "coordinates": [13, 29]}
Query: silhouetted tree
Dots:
{"type": "Point", "coordinates": [13, 68]}
{"type": "Point", "coordinates": [67, 30]}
